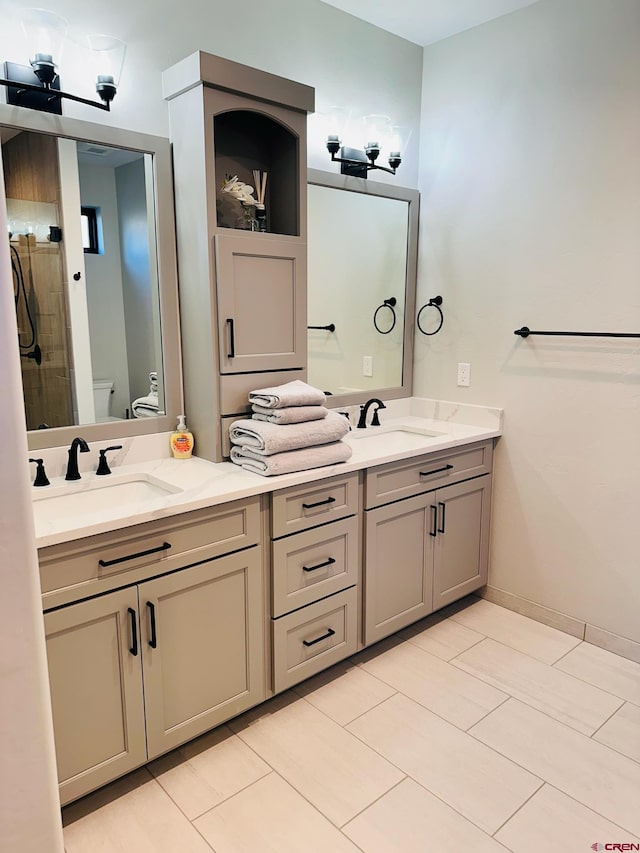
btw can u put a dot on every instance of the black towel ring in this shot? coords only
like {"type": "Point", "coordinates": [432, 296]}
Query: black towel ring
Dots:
{"type": "Point", "coordinates": [435, 302]}
{"type": "Point", "coordinates": [390, 304]}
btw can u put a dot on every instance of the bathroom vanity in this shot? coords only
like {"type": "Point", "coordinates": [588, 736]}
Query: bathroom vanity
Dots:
{"type": "Point", "coordinates": [167, 617]}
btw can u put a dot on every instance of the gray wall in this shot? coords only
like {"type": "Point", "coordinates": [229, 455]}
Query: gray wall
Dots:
{"type": "Point", "coordinates": [105, 301]}
{"type": "Point", "coordinates": [530, 215]}
{"type": "Point", "coordinates": [349, 62]}
{"type": "Point", "coordinates": [136, 276]}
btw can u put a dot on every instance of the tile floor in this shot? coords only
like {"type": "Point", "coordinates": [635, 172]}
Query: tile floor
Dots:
{"type": "Point", "coordinates": [476, 729]}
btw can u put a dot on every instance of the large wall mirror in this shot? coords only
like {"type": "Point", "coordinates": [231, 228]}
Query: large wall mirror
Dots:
{"type": "Point", "coordinates": [362, 257]}
{"type": "Point", "coordinates": [92, 246]}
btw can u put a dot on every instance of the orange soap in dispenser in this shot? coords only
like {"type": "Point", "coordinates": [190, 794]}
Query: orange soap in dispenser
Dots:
{"type": "Point", "coordinates": [181, 440]}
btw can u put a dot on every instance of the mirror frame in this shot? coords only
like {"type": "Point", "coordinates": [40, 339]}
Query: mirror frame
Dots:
{"type": "Point", "coordinates": [21, 118]}
{"type": "Point", "coordinates": [367, 187]}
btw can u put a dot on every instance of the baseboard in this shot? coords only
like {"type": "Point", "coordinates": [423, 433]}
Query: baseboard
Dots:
{"type": "Point", "coordinates": [622, 646]}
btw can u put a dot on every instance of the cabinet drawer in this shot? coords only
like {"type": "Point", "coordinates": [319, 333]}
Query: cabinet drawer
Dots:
{"type": "Point", "coordinates": [96, 564]}
{"type": "Point", "coordinates": [397, 480]}
{"type": "Point", "coordinates": [314, 564]}
{"type": "Point", "coordinates": [313, 638]}
{"type": "Point", "coordinates": [302, 507]}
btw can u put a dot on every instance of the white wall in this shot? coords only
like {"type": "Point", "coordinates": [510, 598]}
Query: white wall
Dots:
{"type": "Point", "coordinates": [348, 62]}
{"type": "Point", "coordinates": [530, 215]}
{"type": "Point", "coordinates": [104, 286]}
{"type": "Point", "coordinates": [29, 809]}
{"type": "Point", "coordinates": [137, 280]}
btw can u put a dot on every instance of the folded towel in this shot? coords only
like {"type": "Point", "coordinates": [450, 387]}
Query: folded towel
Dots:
{"type": "Point", "coordinates": [153, 380]}
{"type": "Point", "coordinates": [146, 407]}
{"type": "Point", "coordinates": [296, 393]}
{"type": "Point", "coordinates": [289, 415]}
{"type": "Point", "coordinates": [291, 460]}
{"type": "Point", "coordinates": [266, 438]}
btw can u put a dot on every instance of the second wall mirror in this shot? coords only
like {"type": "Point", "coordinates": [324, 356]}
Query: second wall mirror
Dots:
{"type": "Point", "coordinates": [362, 258]}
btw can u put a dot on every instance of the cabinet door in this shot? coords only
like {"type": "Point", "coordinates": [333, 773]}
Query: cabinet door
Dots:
{"type": "Point", "coordinates": [398, 566]}
{"type": "Point", "coordinates": [93, 651]}
{"type": "Point", "coordinates": [462, 541]}
{"type": "Point", "coordinates": [202, 647]}
{"type": "Point", "coordinates": [262, 306]}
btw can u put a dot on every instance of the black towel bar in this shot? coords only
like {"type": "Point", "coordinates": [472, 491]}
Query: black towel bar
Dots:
{"type": "Point", "coordinates": [330, 328]}
{"type": "Point", "coordinates": [525, 331]}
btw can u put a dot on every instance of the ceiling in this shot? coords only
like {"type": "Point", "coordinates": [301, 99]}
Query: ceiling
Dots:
{"type": "Point", "coordinates": [426, 21]}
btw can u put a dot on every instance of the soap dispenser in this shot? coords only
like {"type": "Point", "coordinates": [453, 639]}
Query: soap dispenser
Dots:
{"type": "Point", "coordinates": [181, 440]}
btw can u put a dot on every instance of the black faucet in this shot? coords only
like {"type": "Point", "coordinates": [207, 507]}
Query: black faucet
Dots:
{"type": "Point", "coordinates": [41, 476]}
{"type": "Point", "coordinates": [375, 421]}
{"type": "Point", "coordinates": [103, 467]}
{"type": "Point", "coordinates": [72, 464]}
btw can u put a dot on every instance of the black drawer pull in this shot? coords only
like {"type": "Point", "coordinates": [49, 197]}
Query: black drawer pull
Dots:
{"type": "Point", "coordinates": [442, 507]}
{"type": "Point", "coordinates": [134, 632]}
{"type": "Point", "coordinates": [435, 471]}
{"type": "Point", "coordinates": [434, 516]}
{"type": "Point", "coordinates": [153, 642]}
{"type": "Point", "coordinates": [232, 340]}
{"type": "Point", "coordinates": [319, 503]}
{"type": "Point", "coordinates": [330, 633]}
{"type": "Point", "coordinates": [328, 562]}
{"type": "Point", "coordinates": [104, 563]}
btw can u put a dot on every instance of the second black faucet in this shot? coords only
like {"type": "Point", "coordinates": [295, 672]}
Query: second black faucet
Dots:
{"type": "Point", "coordinates": [72, 465]}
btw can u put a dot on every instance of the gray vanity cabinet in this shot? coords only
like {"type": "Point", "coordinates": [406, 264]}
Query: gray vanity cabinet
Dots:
{"type": "Point", "coordinates": [461, 543]}
{"type": "Point", "coordinates": [96, 691]}
{"type": "Point", "coordinates": [262, 308]}
{"type": "Point", "coordinates": [430, 546]}
{"type": "Point", "coordinates": [202, 647]}
{"type": "Point", "coordinates": [155, 635]}
{"type": "Point", "coordinates": [315, 562]}
{"type": "Point", "coordinates": [243, 293]}
{"type": "Point", "coordinates": [399, 567]}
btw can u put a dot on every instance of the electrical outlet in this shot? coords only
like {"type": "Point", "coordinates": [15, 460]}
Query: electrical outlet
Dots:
{"type": "Point", "coordinates": [464, 374]}
{"type": "Point", "coordinates": [367, 365]}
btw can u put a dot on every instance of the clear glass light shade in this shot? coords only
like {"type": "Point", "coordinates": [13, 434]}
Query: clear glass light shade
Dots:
{"type": "Point", "coordinates": [335, 121]}
{"type": "Point", "coordinates": [398, 140]}
{"type": "Point", "coordinates": [45, 33]}
{"type": "Point", "coordinates": [108, 58]}
{"type": "Point", "coordinates": [377, 132]}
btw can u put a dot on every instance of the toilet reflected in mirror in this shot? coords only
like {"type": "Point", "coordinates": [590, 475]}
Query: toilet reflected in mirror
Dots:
{"type": "Point", "coordinates": [102, 392]}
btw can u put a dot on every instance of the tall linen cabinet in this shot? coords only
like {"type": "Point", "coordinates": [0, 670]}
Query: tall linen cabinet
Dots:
{"type": "Point", "coordinates": [242, 292]}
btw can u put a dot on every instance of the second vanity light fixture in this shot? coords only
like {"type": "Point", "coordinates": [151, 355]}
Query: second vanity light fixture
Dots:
{"type": "Point", "coordinates": [379, 134]}
{"type": "Point", "coordinates": [37, 85]}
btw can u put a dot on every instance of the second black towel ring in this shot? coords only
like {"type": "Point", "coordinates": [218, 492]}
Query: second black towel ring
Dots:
{"type": "Point", "coordinates": [390, 304]}
{"type": "Point", "coordinates": [435, 302]}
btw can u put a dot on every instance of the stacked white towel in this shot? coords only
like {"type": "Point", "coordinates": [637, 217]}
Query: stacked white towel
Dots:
{"type": "Point", "coordinates": [290, 430]}
{"type": "Point", "coordinates": [147, 407]}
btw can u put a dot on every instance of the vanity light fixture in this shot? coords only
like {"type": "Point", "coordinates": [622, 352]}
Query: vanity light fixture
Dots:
{"type": "Point", "coordinates": [37, 85]}
{"type": "Point", "coordinates": [379, 135]}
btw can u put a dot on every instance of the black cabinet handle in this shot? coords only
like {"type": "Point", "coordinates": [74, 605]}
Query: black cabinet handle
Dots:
{"type": "Point", "coordinates": [232, 340]}
{"type": "Point", "coordinates": [442, 507]}
{"type": "Point", "coordinates": [435, 471]}
{"type": "Point", "coordinates": [434, 516]}
{"type": "Point", "coordinates": [330, 633]}
{"type": "Point", "coordinates": [134, 633]}
{"type": "Point", "coordinates": [104, 563]}
{"type": "Point", "coordinates": [328, 562]}
{"type": "Point", "coordinates": [319, 503]}
{"type": "Point", "coordinates": [153, 642]}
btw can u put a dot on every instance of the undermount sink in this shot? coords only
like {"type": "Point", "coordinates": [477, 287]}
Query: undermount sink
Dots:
{"type": "Point", "coordinates": [127, 494]}
{"type": "Point", "coordinates": [394, 429]}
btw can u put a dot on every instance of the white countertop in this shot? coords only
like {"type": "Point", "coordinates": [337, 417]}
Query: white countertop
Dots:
{"type": "Point", "coordinates": [204, 483]}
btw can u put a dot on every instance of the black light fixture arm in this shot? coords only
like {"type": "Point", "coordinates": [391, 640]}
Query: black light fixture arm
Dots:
{"type": "Point", "coordinates": [359, 163]}
{"type": "Point", "coordinates": [21, 88]}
